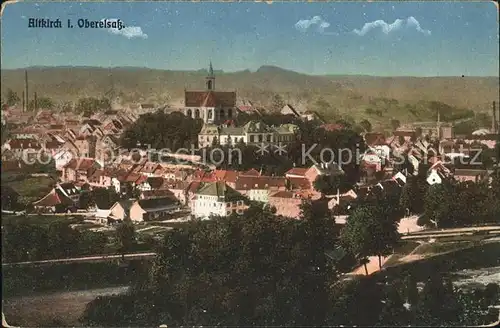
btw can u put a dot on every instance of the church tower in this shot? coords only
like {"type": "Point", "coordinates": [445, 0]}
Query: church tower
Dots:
{"type": "Point", "coordinates": [210, 78]}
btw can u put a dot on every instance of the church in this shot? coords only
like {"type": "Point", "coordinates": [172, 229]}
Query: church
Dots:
{"type": "Point", "coordinates": [213, 107]}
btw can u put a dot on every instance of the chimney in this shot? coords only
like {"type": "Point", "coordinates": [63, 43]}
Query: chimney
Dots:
{"type": "Point", "coordinates": [494, 126]}
{"type": "Point", "coordinates": [26, 90]}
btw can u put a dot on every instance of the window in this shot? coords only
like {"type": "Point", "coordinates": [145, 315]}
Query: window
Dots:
{"type": "Point", "coordinates": [229, 113]}
{"type": "Point", "coordinates": [210, 114]}
{"type": "Point", "coordinates": [260, 137]}
{"type": "Point", "coordinates": [189, 113]}
{"type": "Point", "coordinates": [197, 113]}
{"type": "Point", "coordinates": [269, 138]}
{"type": "Point", "coordinates": [252, 138]}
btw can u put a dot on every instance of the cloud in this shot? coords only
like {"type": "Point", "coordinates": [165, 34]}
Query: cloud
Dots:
{"type": "Point", "coordinates": [386, 28]}
{"type": "Point", "coordinates": [129, 32]}
{"type": "Point", "coordinates": [413, 22]}
{"type": "Point", "coordinates": [321, 25]}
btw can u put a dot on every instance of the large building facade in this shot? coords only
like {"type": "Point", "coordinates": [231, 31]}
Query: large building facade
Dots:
{"type": "Point", "coordinates": [213, 107]}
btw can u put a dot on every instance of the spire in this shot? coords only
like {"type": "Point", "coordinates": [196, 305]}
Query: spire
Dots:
{"type": "Point", "coordinates": [210, 78]}
{"type": "Point", "coordinates": [210, 70]}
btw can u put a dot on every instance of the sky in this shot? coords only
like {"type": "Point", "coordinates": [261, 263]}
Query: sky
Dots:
{"type": "Point", "coordinates": [382, 39]}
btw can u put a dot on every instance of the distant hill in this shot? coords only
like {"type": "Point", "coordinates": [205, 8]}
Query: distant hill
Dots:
{"type": "Point", "coordinates": [344, 94]}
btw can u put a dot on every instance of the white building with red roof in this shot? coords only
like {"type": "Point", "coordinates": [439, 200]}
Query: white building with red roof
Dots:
{"type": "Point", "coordinates": [209, 105]}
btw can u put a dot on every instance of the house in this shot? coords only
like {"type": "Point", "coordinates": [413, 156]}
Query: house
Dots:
{"type": "Point", "coordinates": [332, 127]}
{"type": "Point", "coordinates": [24, 148]}
{"type": "Point", "coordinates": [310, 115]}
{"type": "Point", "coordinates": [121, 210]}
{"type": "Point", "coordinates": [61, 158]}
{"type": "Point", "coordinates": [437, 173]}
{"type": "Point", "coordinates": [180, 190]}
{"type": "Point", "coordinates": [153, 209]}
{"type": "Point", "coordinates": [78, 169]}
{"type": "Point", "coordinates": [257, 188]}
{"type": "Point", "coordinates": [69, 190]}
{"type": "Point", "coordinates": [474, 175]}
{"type": "Point", "coordinates": [296, 172]}
{"type": "Point", "coordinates": [400, 178]}
{"type": "Point", "coordinates": [406, 135]}
{"type": "Point", "coordinates": [227, 176]}
{"type": "Point", "coordinates": [373, 158]}
{"type": "Point", "coordinates": [149, 168]}
{"type": "Point", "coordinates": [217, 198]}
{"type": "Point", "coordinates": [55, 202]}
{"type": "Point", "coordinates": [342, 199]}
{"type": "Point", "coordinates": [253, 132]}
{"type": "Point", "coordinates": [212, 106]}
{"type": "Point", "coordinates": [310, 174]}
{"type": "Point", "coordinates": [287, 203]}
{"type": "Point", "coordinates": [157, 193]}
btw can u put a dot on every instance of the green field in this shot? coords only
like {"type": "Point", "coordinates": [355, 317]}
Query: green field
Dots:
{"type": "Point", "coordinates": [29, 188]}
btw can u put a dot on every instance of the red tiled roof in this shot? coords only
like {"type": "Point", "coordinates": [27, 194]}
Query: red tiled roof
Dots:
{"type": "Point", "coordinates": [53, 144]}
{"type": "Point", "coordinates": [283, 194]}
{"type": "Point", "coordinates": [225, 175]}
{"type": "Point", "coordinates": [52, 199]}
{"type": "Point", "coordinates": [132, 177]}
{"type": "Point", "coordinates": [259, 182]}
{"type": "Point", "coordinates": [141, 179]}
{"type": "Point", "coordinates": [149, 167]}
{"type": "Point", "coordinates": [299, 183]}
{"type": "Point", "coordinates": [373, 138]}
{"type": "Point", "coordinates": [209, 99]}
{"type": "Point", "coordinates": [332, 127]}
{"type": "Point", "coordinates": [251, 173]}
{"type": "Point", "coordinates": [158, 193]}
{"type": "Point", "coordinates": [297, 171]}
{"type": "Point", "coordinates": [82, 164]}
{"type": "Point", "coordinates": [24, 144]}
{"type": "Point", "coordinates": [193, 186]}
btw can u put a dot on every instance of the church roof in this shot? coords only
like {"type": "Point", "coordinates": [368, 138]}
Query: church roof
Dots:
{"type": "Point", "coordinates": [210, 98]}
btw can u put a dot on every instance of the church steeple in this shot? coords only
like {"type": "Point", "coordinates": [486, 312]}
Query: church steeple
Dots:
{"type": "Point", "coordinates": [210, 78]}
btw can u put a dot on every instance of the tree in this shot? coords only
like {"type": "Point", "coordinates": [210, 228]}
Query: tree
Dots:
{"type": "Point", "coordinates": [125, 233]}
{"type": "Point", "coordinates": [413, 193]}
{"type": "Point", "coordinates": [12, 98]}
{"type": "Point", "coordinates": [395, 124]}
{"type": "Point", "coordinates": [104, 198]}
{"type": "Point", "coordinates": [277, 103]}
{"type": "Point", "coordinates": [89, 106]}
{"type": "Point", "coordinates": [331, 183]}
{"type": "Point", "coordinates": [85, 200]}
{"type": "Point", "coordinates": [41, 103]}
{"type": "Point", "coordinates": [366, 125]}
{"type": "Point", "coordinates": [371, 230]}
{"type": "Point", "coordinates": [162, 131]}
{"type": "Point", "coordinates": [438, 203]}
{"type": "Point", "coordinates": [215, 142]}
